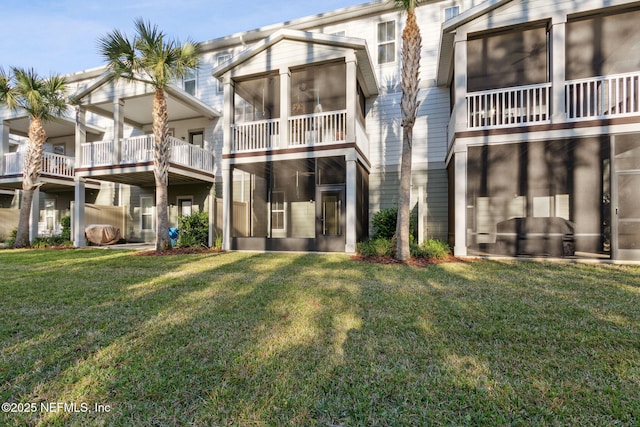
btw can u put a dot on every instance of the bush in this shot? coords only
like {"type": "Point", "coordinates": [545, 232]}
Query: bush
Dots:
{"type": "Point", "coordinates": [436, 249]}
{"type": "Point", "coordinates": [377, 247]}
{"type": "Point", "coordinates": [65, 222]}
{"type": "Point", "coordinates": [384, 223]}
{"type": "Point", "coordinates": [194, 230]}
{"type": "Point", "coordinates": [44, 242]}
{"type": "Point", "coordinates": [11, 240]}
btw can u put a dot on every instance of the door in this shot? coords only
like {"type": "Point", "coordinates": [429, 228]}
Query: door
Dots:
{"type": "Point", "coordinates": [330, 233]}
{"type": "Point", "coordinates": [626, 203]}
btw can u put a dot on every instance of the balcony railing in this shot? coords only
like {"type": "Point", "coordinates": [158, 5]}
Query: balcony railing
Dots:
{"type": "Point", "coordinates": [321, 128]}
{"type": "Point", "coordinates": [517, 106]}
{"type": "Point", "coordinates": [616, 95]}
{"type": "Point", "coordinates": [139, 149]}
{"type": "Point", "coordinates": [309, 129]}
{"type": "Point", "coordinates": [52, 164]}
{"type": "Point", "coordinates": [260, 135]}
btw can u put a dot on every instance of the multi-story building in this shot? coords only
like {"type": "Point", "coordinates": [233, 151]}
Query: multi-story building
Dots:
{"type": "Point", "coordinates": [289, 135]}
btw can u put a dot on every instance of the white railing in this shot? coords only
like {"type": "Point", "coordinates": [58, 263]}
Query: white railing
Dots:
{"type": "Point", "coordinates": [58, 165]}
{"type": "Point", "coordinates": [98, 153]}
{"type": "Point", "coordinates": [137, 149]}
{"type": "Point", "coordinates": [13, 163]}
{"type": "Point", "coordinates": [260, 135]}
{"type": "Point", "coordinates": [510, 107]}
{"type": "Point", "coordinates": [190, 155]}
{"type": "Point", "coordinates": [610, 96]}
{"type": "Point", "coordinates": [320, 128]}
{"type": "Point", "coordinates": [52, 164]}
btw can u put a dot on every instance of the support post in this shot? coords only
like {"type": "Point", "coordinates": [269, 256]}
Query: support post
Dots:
{"type": "Point", "coordinates": [227, 205]}
{"type": "Point", "coordinates": [352, 96]}
{"type": "Point", "coordinates": [460, 202]}
{"type": "Point", "coordinates": [285, 107]}
{"type": "Point", "coordinates": [78, 213]}
{"type": "Point", "coordinates": [558, 76]}
{"type": "Point", "coordinates": [81, 137]}
{"type": "Point", "coordinates": [460, 82]}
{"type": "Point", "coordinates": [4, 146]}
{"type": "Point", "coordinates": [118, 130]}
{"type": "Point", "coordinates": [352, 200]}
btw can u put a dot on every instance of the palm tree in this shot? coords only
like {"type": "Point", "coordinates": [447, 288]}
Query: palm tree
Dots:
{"type": "Point", "coordinates": [153, 58]}
{"type": "Point", "coordinates": [43, 99]}
{"type": "Point", "coordinates": [411, 45]}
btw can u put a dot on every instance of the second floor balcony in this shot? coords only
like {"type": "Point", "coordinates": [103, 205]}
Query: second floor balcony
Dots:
{"type": "Point", "coordinates": [594, 98]}
{"type": "Point", "coordinates": [53, 165]}
{"type": "Point", "coordinates": [139, 150]}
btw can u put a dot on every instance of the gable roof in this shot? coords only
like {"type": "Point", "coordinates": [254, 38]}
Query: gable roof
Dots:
{"type": "Point", "coordinates": [359, 46]}
{"type": "Point", "coordinates": [448, 33]}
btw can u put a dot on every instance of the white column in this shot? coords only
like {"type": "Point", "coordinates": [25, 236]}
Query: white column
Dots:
{"type": "Point", "coordinates": [212, 212]}
{"type": "Point", "coordinates": [35, 215]}
{"type": "Point", "coordinates": [227, 205]}
{"type": "Point", "coordinates": [351, 208]}
{"type": "Point", "coordinates": [4, 145]}
{"type": "Point", "coordinates": [78, 213]}
{"type": "Point", "coordinates": [81, 133]}
{"type": "Point", "coordinates": [460, 82]}
{"type": "Point", "coordinates": [227, 116]}
{"type": "Point", "coordinates": [558, 77]}
{"type": "Point", "coordinates": [352, 96]}
{"type": "Point", "coordinates": [285, 106]}
{"type": "Point", "coordinates": [460, 201]}
{"type": "Point", "coordinates": [118, 130]}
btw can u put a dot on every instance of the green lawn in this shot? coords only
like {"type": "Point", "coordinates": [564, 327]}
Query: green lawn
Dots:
{"type": "Point", "coordinates": [288, 339]}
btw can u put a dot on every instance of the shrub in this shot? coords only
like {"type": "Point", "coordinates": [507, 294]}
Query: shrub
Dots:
{"type": "Point", "coordinates": [11, 240]}
{"type": "Point", "coordinates": [194, 230]}
{"type": "Point", "coordinates": [436, 249]}
{"type": "Point", "coordinates": [376, 247]}
{"type": "Point", "coordinates": [384, 223]}
{"type": "Point", "coordinates": [65, 222]}
{"type": "Point", "coordinates": [44, 242]}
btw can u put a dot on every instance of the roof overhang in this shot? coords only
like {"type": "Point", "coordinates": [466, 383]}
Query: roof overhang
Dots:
{"type": "Point", "coordinates": [138, 102]}
{"type": "Point", "coordinates": [63, 126]}
{"type": "Point", "coordinates": [359, 46]}
{"type": "Point", "coordinates": [448, 34]}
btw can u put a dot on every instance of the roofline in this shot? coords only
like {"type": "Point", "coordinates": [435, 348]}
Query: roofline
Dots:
{"type": "Point", "coordinates": [332, 17]}
{"type": "Point", "coordinates": [447, 35]}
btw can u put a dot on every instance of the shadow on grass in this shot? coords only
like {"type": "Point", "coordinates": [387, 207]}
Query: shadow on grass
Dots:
{"type": "Point", "coordinates": [263, 339]}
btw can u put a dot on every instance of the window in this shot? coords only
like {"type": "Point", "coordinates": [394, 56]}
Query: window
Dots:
{"type": "Point", "coordinates": [451, 12]}
{"type": "Point", "coordinates": [221, 60]}
{"type": "Point", "coordinates": [146, 213]}
{"type": "Point", "coordinates": [277, 210]}
{"type": "Point", "coordinates": [386, 42]}
{"type": "Point", "coordinates": [185, 206]}
{"type": "Point", "coordinates": [189, 82]}
{"type": "Point", "coordinates": [196, 138]}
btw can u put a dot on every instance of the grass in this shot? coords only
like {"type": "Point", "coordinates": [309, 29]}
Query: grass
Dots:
{"type": "Point", "coordinates": [288, 339]}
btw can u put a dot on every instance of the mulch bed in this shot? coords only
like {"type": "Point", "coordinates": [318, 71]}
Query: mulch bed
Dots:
{"type": "Point", "coordinates": [176, 251]}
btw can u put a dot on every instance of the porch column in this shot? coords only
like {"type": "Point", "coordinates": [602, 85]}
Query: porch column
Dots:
{"type": "Point", "coordinates": [78, 213]}
{"type": "Point", "coordinates": [35, 215]}
{"type": "Point", "coordinates": [460, 82]}
{"type": "Point", "coordinates": [212, 213]}
{"type": "Point", "coordinates": [118, 130]}
{"type": "Point", "coordinates": [352, 96]}
{"type": "Point", "coordinates": [351, 199]}
{"type": "Point", "coordinates": [558, 77]}
{"type": "Point", "coordinates": [421, 212]}
{"type": "Point", "coordinates": [81, 134]}
{"type": "Point", "coordinates": [227, 117]}
{"type": "Point", "coordinates": [4, 145]}
{"type": "Point", "coordinates": [227, 205]}
{"type": "Point", "coordinates": [285, 106]}
{"type": "Point", "coordinates": [460, 201]}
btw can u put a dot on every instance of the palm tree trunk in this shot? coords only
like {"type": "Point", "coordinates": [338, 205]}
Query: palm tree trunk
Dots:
{"type": "Point", "coordinates": [161, 169]}
{"type": "Point", "coordinates": [31, 174]}
{"type": "Point", "coordinates": [411, 45]}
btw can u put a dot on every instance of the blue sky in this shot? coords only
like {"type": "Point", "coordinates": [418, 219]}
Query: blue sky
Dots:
{"type": "Point", "coordinates": [59, 36]}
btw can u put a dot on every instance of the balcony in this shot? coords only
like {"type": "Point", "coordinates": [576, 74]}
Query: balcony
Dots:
{"type": "Point", "coordinates": [517, 106]}
{"type": "Point", "coordinates": [139, 149]}
{"type": "Point", "coordinates": [603, 97]}
{"type": "Point", "coordinates": [304, 131]}
{"type": "Point", "coordinates": [54, 165]}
